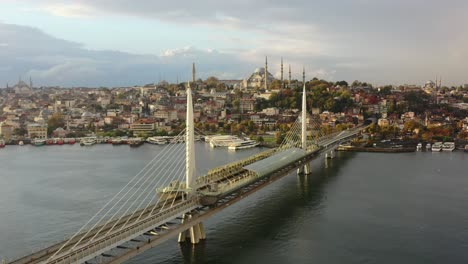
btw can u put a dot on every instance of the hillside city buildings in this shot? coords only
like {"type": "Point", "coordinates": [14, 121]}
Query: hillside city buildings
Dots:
{"type": "Point", "coordinates": [253, 106]}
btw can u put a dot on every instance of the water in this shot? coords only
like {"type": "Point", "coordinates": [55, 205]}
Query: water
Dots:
{"type": "Point", "coordinates": [357, 208]}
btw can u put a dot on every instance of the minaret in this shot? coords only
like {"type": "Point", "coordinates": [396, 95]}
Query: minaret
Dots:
{"type": "Point", "coordinates": [281, 72]}
{"type": "Point", "coordinates": [30, 82]}
{"type": "Point", "coordinates": [440, 82]}
{"type": "Point", "coordinates": [193, 72]}
{"type": "Point", "coordinates": [289, 84]}
{"type": "Point", "coordinates": [266, 73]}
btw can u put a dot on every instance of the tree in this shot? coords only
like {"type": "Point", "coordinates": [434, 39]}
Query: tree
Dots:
{"type": "Point", "coordinates": [20, 131]}
{"type": "Point", "coordinates": [212, 82]}
{"type": "Point", "coordinates": [342, 83]}
{"type": "Point", "coordinates": [55, 122]}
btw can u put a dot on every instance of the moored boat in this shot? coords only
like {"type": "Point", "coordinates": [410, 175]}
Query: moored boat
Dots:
{"type": "Point", "coordinates": [21, 143]}
{"type": "Point", "coordinates": [117, 141]}
{"type": "Point", "coordinates": [89, 141]}
{"type": "Point", "coordinates": [135, 142]}
{"type": "Point", "coordinates": [158, 140]}
{"type": "Point", "coordinates": [428, 146]}
{"type": "Point", "coordinates": [223, 141]}
{"type": "Point", "coordinates": [38, 142]}
{"type": "Point", "coordinates": [59, 141]}
{"type": "Point", "coordinates": [2, 143]}
{"type": "Point", "coordinates": [419, 146]}
{"type": "Point", "coordinates": [436, 147]}
{"type": "Point", "coordinates": [448, 146]}
{"type": "Point", "coordinates": [243, 144]}
{"type": "Point", "coordinates": [466, 148]}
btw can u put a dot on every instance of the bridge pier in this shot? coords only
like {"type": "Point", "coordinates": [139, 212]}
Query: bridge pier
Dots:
{"type": "Point", "coordinates": [330, 154]}
{"type": "Point", "coordinates": [304, 170]}
{"type": "Point", "coordinates": [195, 233]}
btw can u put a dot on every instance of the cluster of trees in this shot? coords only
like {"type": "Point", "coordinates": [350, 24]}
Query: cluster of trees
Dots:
{"type": "Point", "coordinates": [320, 94]}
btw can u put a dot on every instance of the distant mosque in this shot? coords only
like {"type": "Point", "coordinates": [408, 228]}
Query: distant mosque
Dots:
{"type": "Point", "coordinates": [260, 78]}
{"type": "Point", "coordinates": [23, 88]}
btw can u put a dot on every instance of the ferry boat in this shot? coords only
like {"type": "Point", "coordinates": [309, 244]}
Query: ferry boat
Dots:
{"type": "Point", "coordinates": [448, 146]}
{"type": "Point", "coordinates": [243, 145]}
{"type": "Point", "coordinates": [437, 147]}
{"type": "Point", "coordinates": [38, 142]}
{"type": "Point", "coordinates": [89, 141]}
{"type": "Point", "coordinates": [419, 146]}
{"type": "Point", "coordinates": [223, 141]}
{"type": "Point", "coordinates": [158, 140]}
{"type": "Point", "coordinates": [2, 143]}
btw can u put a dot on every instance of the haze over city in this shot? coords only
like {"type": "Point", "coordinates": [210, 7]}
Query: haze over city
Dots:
{"type": "Point", "coordinates": [120, 43]}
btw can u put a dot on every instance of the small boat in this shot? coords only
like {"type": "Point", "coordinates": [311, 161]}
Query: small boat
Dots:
{"type": "Point", "coordinates": [437, 147]}
{"type": "Point", "coordinates": [428, 146]}
{"type": "Point", "coordinates": [50, 141]}
{"type": "Point", "coordinates": [448, 146]}
{"type": "Point", "coordinates": [2, 143]}
{"type": "Point", "coordinates": [87, 141]}
{"type": "Point", "coordinates": [70, 141]}
{"type": "Point", "coordinates": [158, 140]}
{"type": "Point", "coordinates": [117, 141]}
{"type": "Point", "coordinates": [21, 143]}
{"type": "Point", "coordinates": [243, 144]}
{"type": "Point", "coordinates": [419, 146]}
{"type": "Point", "coordinates": [38, 142]}
{"type": "Point", "coordinates": [59, 141]}
{"type": "Point", "coordinates": [466, 148]}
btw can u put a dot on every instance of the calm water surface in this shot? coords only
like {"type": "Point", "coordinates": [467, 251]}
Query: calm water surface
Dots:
{"type": "Point", "coordinates": [357, 208]}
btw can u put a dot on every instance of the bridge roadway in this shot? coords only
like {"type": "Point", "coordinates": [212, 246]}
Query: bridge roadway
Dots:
{"type": "Point", "coordinates": [164, 221]}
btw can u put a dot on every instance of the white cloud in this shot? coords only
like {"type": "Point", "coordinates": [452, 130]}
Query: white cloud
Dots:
{"type": "Point", "coordinates": [70, 10]}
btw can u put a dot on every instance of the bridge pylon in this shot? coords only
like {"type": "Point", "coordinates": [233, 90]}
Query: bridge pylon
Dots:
{"type": "Point", "coordinates": [306, 168]}
{"type": "Point", "coordinates": [195, 232]}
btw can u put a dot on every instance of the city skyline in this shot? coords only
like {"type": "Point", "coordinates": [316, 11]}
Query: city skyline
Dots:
{"type": "Point", "coordinates": [109, 43]}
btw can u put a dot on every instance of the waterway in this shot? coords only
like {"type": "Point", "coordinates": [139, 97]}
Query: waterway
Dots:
{"type": "Point", "coordinates": [356, 208]}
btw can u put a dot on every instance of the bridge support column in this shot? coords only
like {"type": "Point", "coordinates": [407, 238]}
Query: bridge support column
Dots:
{"type": "Point", "coordinates": [195, 233]}
{"type": "Point", "coordinates": [330, 154]}
{"type": "Point", "coordinates": [305, 169]}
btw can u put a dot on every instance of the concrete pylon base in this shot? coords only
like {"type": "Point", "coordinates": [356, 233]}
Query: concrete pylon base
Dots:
{"type": "Point", "coordinates": [304, 170]}
{"type": "Point", "coordinates": [194, 233]}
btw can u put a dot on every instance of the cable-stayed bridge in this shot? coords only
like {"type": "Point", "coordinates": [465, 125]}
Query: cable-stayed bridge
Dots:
{"type": "Point", "coordinates": [167, 199]}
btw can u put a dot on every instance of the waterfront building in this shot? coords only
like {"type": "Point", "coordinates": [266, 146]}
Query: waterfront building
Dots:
{"type": "Point", "coordinates": [37, 131]}
{"type": "Point", "coordinates": [142, 126]}
{"type": "Point", "coordinates": [6, 131]}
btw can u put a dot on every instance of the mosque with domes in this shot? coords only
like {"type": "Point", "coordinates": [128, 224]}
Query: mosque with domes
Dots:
{"type": "Point", "coordinates": [259, 79]}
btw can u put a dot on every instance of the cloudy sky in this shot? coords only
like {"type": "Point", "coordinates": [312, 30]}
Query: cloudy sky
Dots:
{"type": "Point", "coordinates": [125, 42]}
